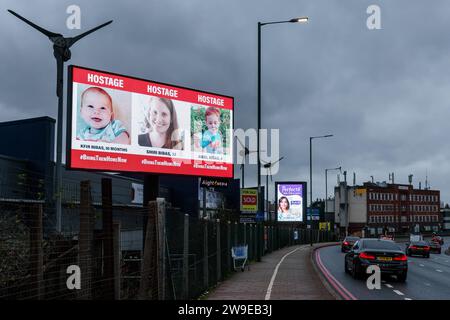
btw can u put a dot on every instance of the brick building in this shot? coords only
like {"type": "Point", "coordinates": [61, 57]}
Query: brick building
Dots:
{"type": "Point", "coordinates": [401, 208]}
{"type": "Point", "coordinates": [380, 207]}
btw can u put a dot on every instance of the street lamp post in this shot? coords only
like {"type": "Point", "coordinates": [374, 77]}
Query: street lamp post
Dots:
{"type": "Point", "coordinates": [326, 186]}
{"type": "Point", "coordinates": [310, 181]}
{"type": "Point", "coordinates": [260, 24]}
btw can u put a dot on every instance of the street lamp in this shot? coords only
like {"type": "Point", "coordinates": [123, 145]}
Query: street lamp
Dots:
{"type": "Point", "coordinates": [310, 180]}
{"type": "Point", "coordinates": [326, 186]}
{"type": "Point", "coordinates": [260, 24]}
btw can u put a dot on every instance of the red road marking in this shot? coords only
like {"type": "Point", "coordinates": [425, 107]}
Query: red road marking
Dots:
{"type": "Point", "coordinates": [332, 280]}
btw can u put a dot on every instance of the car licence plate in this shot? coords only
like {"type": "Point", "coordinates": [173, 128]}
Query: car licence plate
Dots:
{"type": "Point", "coordinates": [385, 258]}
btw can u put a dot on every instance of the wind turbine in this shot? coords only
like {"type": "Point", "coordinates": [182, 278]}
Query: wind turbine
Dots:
{"type": "Point", "coordinates": [61, 51]}
{"type": "Point", "coordinates": [268, 166]}
{"type": "Point", "coordinates": [244, 153]}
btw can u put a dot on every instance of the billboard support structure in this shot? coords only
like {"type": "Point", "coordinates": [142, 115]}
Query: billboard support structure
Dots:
{"type": "Point", "coordinates": [151, 192]}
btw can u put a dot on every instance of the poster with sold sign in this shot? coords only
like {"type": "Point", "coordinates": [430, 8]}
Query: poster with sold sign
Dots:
{"type": "Point", "coordinates": [249, 200]}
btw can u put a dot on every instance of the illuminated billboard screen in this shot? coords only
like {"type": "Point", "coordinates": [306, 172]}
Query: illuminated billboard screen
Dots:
{"type": "Point", "coordinates": [291, 201]}
{"type": "Point", "coordinates": [121, 123]}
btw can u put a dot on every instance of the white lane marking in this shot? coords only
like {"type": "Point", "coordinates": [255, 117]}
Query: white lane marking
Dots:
{"type": "Point", "coordinates": [272, 280]}
{"type": "Point", "coordinates": [408, 299]}
{"type": "Point", "coordinates": [383, 281]}
{"type": "Point", "coordinates": [388, 285]}
{"type": "Point", "coordinates": [421, 265]}
{"type": "Point", "coordinates": [427, 284]}
{"type": "Point", "coordinates": [399, 293]}
{"type": "Point", "coordinates": [438, 270]}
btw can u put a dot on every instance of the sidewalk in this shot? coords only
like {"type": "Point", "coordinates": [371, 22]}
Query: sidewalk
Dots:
{"type": "Point", "coordinates": [296, 279]}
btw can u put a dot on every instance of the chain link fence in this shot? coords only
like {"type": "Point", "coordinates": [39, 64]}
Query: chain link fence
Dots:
{"type": "Point", "coordinates": [123, 251]}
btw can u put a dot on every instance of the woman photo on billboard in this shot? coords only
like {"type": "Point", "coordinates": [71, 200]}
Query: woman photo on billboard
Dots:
{"type": "Point", "coordinates": [283, 207]}
{"type": "Point", "coordinates": [161, 121]}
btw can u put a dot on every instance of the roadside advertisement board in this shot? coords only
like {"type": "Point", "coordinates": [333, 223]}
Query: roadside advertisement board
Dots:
{"type": "Point", "coordinates": [125, 124]}
{"type": "Point", "coordinates": [249, 205]}
{"type": "Point", "coordinates": [291, 201]}
{"type": "Point", "coordinates": [249, 200]}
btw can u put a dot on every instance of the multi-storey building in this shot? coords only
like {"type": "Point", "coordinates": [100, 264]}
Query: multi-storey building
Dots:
{"type": "Point", "coordinates": [380, 207]}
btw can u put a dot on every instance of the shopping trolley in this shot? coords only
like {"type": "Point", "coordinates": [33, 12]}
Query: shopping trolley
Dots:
{"type": "Point", "coordinates": [240, 255]}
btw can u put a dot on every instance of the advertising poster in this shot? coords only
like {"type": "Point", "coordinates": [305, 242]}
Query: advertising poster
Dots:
{"type": "Point", "coordinates": [120, 123]}
{"type": "Point", "coordinates": [291, 201]}
{"type": "Point", "coordinates": [249, 200]}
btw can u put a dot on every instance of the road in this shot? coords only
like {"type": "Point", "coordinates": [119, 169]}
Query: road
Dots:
{"type": "Point", "coordinates": [428, 279]}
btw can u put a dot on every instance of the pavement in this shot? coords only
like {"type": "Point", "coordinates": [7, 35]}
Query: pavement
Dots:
{"type": "Point", "coordinates": [285, 274]}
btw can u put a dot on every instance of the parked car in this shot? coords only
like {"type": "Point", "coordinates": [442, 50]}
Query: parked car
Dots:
{"type": "Point", "coordinates": [348, 243]}
{"type": "Point", "coordinates": [418, 248]}
{"type": "Point", "coordinates": [435, 247]}
{"type": "Point", "coordinates": [386, 254]}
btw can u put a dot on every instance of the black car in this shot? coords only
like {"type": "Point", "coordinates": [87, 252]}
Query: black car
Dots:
{"type": "Point", "coordinates": [435, 247]}
{"type": "Point", "coordinates": [418, 248]}
{"type": "Point", "coordinates": [385, 253]}
{"type": "Point", "coordinates": [348, 243]}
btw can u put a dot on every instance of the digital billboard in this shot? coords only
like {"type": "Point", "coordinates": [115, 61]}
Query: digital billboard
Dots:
{"type": "Point", "coordinates": [122, 123]}
{"type": "Point", "coordinates": [291, 201]}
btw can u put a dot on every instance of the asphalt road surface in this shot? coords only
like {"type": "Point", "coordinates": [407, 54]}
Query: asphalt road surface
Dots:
{"type": "Point", "coordinates": [428, 278]}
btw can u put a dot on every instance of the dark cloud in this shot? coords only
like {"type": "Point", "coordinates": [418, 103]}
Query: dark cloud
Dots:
{"type": "Point", "coordinates": [384, 94]}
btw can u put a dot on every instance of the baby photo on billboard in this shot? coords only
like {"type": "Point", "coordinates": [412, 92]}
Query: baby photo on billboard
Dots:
{"type": "Point", "coordinates": [210, 130]}
{"type": "Point", "coordinates": [160, 123]}
{"type": "Point", "coordinates": [103, 115]}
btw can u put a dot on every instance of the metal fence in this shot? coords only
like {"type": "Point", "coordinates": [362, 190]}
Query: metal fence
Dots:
{"type": "Point", "coordinates": [177, 257]}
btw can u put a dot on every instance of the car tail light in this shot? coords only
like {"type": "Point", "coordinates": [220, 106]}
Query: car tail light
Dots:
{"type": "Point", "coordinates": [427, 248]}
{"type": "Point", "coordinates": [413, 247]}
{"type": "Point", "coordinates": [346, 243]}
{"type": "Point", "coordinates": [401, 258]}
{"type": "Point", "coordinates": [367, 256]}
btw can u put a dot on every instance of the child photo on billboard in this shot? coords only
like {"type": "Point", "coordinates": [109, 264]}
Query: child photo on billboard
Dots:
{"type": "Point", "coordinates": [209, 128]}
{"type": "Point", "coordinates": [97, 119]}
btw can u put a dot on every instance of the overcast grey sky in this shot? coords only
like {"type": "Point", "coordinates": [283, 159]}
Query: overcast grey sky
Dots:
{"type": "Point", "coordinates": [384, 94]}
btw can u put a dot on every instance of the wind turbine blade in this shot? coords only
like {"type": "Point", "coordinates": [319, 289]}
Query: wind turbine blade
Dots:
{"type": "Point", "coordinates": [277, 161]}
{"type": "Point", "coordinates": [240, 142]}
{"type": "Point", "coordinates": [35, 26]}
{"type": "Point", "coordinates": [261, 160]}
{"type": "Point", "coordinates": [71, 41]}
